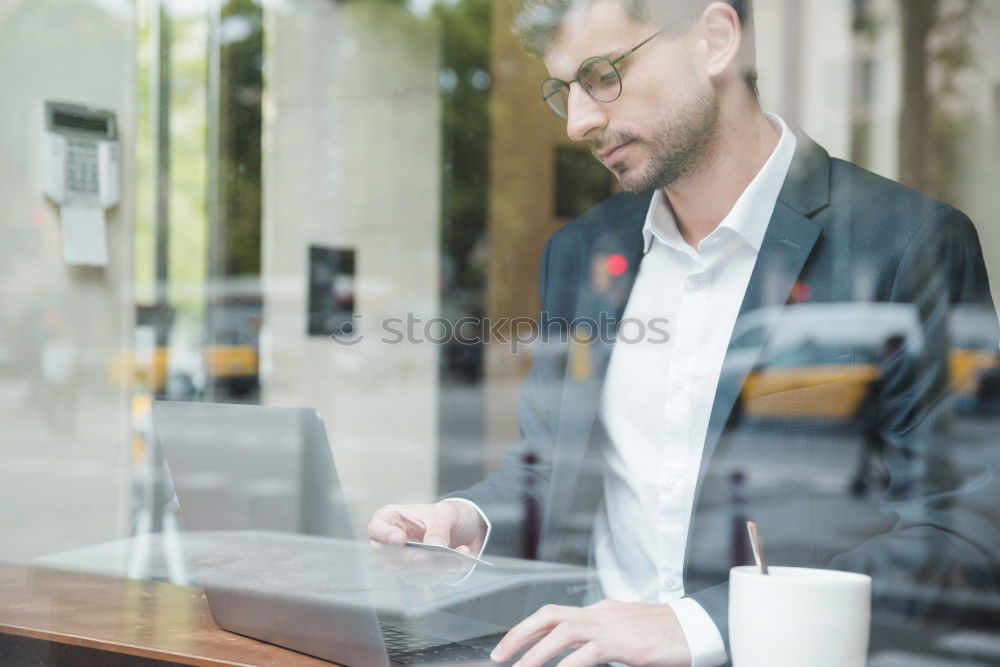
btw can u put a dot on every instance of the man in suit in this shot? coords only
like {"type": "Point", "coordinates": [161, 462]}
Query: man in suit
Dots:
{"type": "Point", "coordinates": [731, 224]}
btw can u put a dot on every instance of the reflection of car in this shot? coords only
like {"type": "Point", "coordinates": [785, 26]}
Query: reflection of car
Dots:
{"type": "Point", "coordinates": [967, 366]}
{"type": "Point", "coordinates": [230, 353]}
{"type": "Point", "coordinates": [143, 367]}
{"type": "Point", "coordinates": [809, 382]}
{"type": "Point", "coordinates": [974, 348]}
{"type": "Point", "coordinates": [858, 325]}
{"type": "Point", "coordinates": [152, 370]}
{"type": "Point", "coordinates": [815, 360]}
{"type": "Point", "coordinates": [987, 398]}
{"type": "Point", "coordinates": [231, 361]}
{"type": "Point", "coordinates": [820, 359]}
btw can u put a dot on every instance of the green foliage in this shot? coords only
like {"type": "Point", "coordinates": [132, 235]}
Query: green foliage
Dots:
{"type": "Point", "coordinates": [951, 54]}
{"type": "Point", "coordinates": [240, 130]}
{"type": "Point", "coordinates": [937, 55]}
{"type": "Point", "coordinates": [465, 62]}
{"type": "Point", "coordinates": [186, 189]}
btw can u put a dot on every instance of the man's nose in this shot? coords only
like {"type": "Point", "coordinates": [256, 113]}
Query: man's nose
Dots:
{"type": "Point", "coordinates": [584, 114]}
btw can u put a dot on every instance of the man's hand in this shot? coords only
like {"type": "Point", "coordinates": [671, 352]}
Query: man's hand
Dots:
{"type": "Point", "coordinates": [449, 523]}
{"type": "Point", "coordinates": [634, 633]}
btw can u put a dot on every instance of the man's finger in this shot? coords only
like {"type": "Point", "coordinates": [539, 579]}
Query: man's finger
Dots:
{"type": "Point", "coordinates": [412, 519]}
{"type": "Point", "coordinates": [585, 656]}
{"type": "Point", "coordinates": [439, 528]}
{"type": "Point", "coordinates": [559, 639]}
{"type": "Point", "coordinates": [527, 631]}
{"type": "Point", "coordinates": [387, 532]}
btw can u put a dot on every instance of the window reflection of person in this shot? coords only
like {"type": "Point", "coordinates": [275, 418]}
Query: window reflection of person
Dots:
{"type": "Point", "coordinates": [870, 471]}
{"type": "Point", "coordinates": [709, 180]}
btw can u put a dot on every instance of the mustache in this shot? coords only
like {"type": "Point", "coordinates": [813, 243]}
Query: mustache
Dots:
{"type": "Point", "coordinates": [610, 139]}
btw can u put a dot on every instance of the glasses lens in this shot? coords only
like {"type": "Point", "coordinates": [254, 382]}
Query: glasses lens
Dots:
{"type": "Point", "coordinates": [600, 79]}
{"type": "Point", "coordinates": [556, 95]}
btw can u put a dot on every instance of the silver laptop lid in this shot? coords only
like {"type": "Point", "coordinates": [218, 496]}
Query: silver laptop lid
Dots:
{"type": "Point", "coordinates": [253, 484]}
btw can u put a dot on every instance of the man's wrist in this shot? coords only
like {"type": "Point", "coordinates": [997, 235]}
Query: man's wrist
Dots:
{"type": "Point", "coordinates": [700, 632]}
{"type": "Point", "coordinates": [484, 525]}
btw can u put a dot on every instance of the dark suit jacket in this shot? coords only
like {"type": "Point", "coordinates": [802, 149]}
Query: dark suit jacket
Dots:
{"type": "Point", "coordinates": [838, 235]}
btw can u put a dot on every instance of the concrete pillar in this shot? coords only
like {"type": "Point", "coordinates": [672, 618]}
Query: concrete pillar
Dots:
{"type": "Point", "coordinates": [351, 160]}
{"type": "Point", "coordinates": [66, 425]}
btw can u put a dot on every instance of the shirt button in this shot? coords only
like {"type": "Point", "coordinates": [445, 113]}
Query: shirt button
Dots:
{"type": "Point", "coordinates": [681, 383]}
{"type": "Point", "coordinates": [695, 283]}
{"type": "Point", "coordinates": [672, 584]}
{"type": "Point", "coordinates": [672, 481]}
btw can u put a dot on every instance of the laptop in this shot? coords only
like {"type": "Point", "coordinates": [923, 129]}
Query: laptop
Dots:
{"type": "Point", "coordinates": [271, 540]}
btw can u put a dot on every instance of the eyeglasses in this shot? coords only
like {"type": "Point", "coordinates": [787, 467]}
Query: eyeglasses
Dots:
{"type": "Point", "coordinates": [598, 76]}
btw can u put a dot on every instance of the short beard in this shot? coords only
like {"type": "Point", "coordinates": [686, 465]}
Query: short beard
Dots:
{"type": "Point", "coordinates": [680, 146]}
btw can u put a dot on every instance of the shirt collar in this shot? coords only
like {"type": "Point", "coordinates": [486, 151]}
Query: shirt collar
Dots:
{"type": "Point", "coordinates": [750, 214]}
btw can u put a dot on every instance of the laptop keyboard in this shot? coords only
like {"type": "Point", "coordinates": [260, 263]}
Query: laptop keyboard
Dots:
{"type": "Point", "coordinates": [411, 648]}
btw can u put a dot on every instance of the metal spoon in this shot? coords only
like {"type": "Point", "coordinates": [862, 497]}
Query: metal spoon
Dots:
{"type": "Point", "coordinates": [758, 548]}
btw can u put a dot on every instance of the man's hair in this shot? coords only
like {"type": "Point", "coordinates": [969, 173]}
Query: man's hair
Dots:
{"type": "Point", "coordinates": [537, 21]}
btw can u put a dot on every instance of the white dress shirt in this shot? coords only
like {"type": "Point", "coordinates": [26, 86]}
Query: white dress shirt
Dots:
{"type": "Point", "coordinates": [658, 397]}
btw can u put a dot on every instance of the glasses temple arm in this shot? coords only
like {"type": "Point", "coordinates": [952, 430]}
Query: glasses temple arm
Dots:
{"type": "Point", "coordinates": [636, 47]}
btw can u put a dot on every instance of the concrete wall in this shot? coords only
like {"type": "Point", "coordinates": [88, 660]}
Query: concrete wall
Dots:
{"type": "Point", "coordinates": [351, 160]}
{"type": "Point", "coordinates": [805, 53]}
{"type": "Point", "coordinates": [803, 59]}
{"type": "Point", "coordinates": [64, 448]}
{"type": "Point", "coordinates": [887, 88]}
{"type": "Point", "coordinates": [826, 74]}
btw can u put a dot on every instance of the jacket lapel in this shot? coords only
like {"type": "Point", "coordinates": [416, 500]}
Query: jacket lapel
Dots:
{"type": "Point", "coordinates": [791, 235]}
{"type": "Point", "coordinates": [602, 301]}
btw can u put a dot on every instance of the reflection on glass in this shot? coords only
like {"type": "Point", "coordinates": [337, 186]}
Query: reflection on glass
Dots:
{"type": "Point", "coordinates": [502, 329]}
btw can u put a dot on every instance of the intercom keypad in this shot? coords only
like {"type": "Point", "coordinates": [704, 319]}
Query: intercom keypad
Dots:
{"type": "Point", "coordinates": [81, 167]}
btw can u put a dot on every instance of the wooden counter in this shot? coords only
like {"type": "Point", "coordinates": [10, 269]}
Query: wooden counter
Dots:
{"type": "Point", "coordinates": [58, 617]}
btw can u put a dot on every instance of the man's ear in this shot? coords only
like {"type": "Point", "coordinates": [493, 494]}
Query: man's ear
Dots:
{"type": "Point", "coordinates": [723, 37]}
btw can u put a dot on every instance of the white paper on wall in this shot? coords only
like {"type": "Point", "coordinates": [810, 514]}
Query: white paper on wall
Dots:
{"type": "Point", "coordinates": [85, 235]}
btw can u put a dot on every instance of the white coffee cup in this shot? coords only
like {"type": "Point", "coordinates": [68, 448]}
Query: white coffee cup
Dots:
{"type": "Point", "coordinates": [796, 616]}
